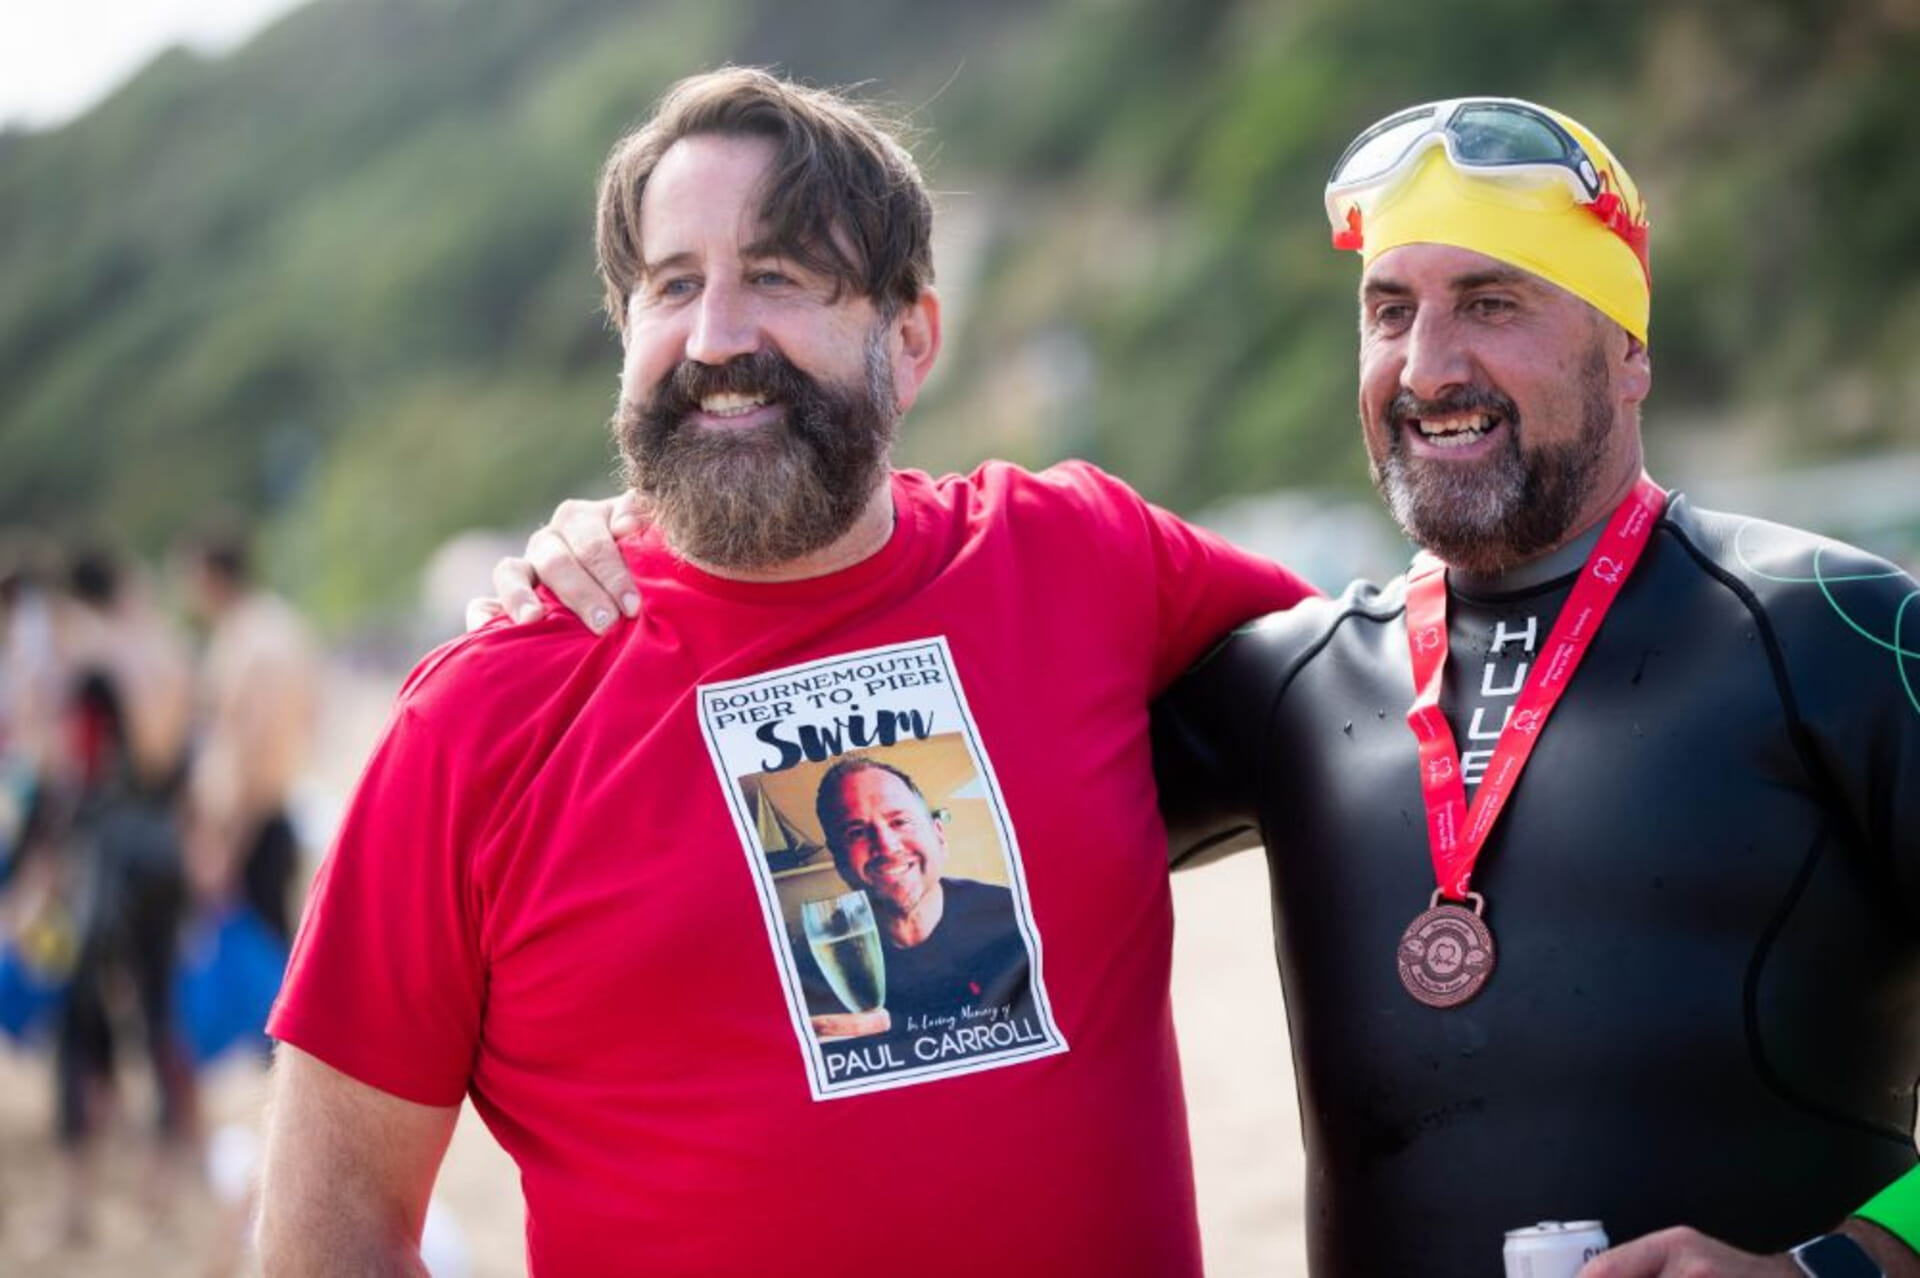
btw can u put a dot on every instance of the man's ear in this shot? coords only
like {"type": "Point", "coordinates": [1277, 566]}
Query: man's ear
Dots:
{"type": "Point", "coordinates": [914, 340]}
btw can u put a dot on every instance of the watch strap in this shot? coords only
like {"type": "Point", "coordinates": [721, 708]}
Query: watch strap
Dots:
{"type": "Point", "coordinates": [1835, 1256]}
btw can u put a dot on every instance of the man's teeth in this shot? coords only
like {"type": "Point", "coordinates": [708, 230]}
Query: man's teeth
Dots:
{"type": "Point", "coordinates": [730, 405]}
{"type": "Point", "coordinates": [1453, 432]}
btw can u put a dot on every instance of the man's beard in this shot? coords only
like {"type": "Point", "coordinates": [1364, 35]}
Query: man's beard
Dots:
{"type": "Point", "coordinates": [760, 496]}
{"type": "Point", "coordinates": [1490, 516]}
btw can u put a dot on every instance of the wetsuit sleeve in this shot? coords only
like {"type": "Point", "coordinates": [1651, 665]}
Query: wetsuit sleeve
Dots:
{"type": "Point", "coordinates": [1208, 732]}
{"type": "Point", "coordinates": [1848, 630]}
{"type": "Point", "coordinates": [1847, 627]}
{"type": "Point", "coordinates": [386, 979]}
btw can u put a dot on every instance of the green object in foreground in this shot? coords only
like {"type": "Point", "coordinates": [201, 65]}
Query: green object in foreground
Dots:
{"type": "Point", "coordinates": [1896, 1209]}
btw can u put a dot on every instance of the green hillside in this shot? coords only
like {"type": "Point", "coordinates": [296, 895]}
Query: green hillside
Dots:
{"type": "Point", "coordinates": [343, 278]}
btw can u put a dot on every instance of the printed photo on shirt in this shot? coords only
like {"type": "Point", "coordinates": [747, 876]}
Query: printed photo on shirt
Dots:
{"type": "Point", "coordinates": [888, 873]}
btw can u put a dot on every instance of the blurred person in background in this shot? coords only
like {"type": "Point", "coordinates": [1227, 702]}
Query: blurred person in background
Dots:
{"type": "Point", "coordinates": [114, 627]}
{"type": "Point", "coordinates": [1697, 1022]}
{"type": "Point", "coordinates": [537, 897]}
{"type": "Point", "coordinates": [31, 686]}
{"type": "Point", "coordinates": [259, 702]}
{"type": "Point", "coordinates": [34, 933]}
{"type": "Point", "coordinates": [33, 738]}
{"type": "Point", "coordinates": [110, 820]}
{"type": "Point", "coordinates": [36, 925]}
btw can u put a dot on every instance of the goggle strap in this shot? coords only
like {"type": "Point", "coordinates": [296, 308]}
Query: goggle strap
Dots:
{"type": "Point", "coordinates": [1350, 237]}
{"type": "Point", "coordinates": [1612, 212]}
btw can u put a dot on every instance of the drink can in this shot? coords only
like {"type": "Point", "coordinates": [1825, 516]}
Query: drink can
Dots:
{"type": "Point", "coordinates": [1553, 1248]}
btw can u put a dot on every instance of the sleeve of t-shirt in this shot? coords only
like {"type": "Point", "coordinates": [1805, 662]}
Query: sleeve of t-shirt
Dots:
{"type": "Point", "coordinates": [1203, 584]}
{"type": "Point", "coordinates": [1208, 586]}
{"type": "Point", "coordinates": [386, 982]}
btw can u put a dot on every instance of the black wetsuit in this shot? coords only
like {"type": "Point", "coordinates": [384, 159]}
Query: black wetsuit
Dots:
{"type": "Point", "coordinates": [1704, 893]}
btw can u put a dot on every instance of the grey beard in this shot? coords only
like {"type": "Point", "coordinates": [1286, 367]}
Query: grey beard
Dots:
{"type": "Point", "coordinates": [757, 498]}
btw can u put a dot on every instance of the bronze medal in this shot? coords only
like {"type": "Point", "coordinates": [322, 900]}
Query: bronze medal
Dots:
{"type": "Point", "coordinates": [1446, 954]}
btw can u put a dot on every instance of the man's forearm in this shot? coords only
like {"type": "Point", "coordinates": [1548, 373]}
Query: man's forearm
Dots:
{"type": "Point", "coordinates": [312, 1224]}
{"type": "Point", "coordinates": [334, 1253]}
{"type": "Point", "coordinates": [347, 1174]}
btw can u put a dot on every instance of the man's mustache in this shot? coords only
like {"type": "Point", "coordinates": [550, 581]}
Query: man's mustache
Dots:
{"type": "Point", "coordinates": [764, 372]}
{"type": "Point", "coordinates": [1467, 399]}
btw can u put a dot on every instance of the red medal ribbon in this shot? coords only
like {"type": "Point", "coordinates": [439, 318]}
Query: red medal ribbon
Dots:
{"type": "Point", "coordinates": [1455, 832]}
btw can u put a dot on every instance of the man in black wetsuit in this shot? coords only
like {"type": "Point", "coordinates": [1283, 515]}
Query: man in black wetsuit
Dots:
{"type": "Point", "coordinates": [1664, 970]}
{"type": "Point", "coordinates": [1674, 980]}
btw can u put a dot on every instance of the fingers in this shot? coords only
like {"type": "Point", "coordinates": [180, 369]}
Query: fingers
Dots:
{"type": "Point", "coordinates": [572, 578]}
{"type": "Point", "coordinates": [626, 514]}
{"type": "Point", "coordinates": [1682, 1253]}
{"type": "Point", "coordinates": [1644, 1257]}
{"type": "Point", "coordinates": [512, 593]}
{"type": "Point", "coordinates": [481, 609]}
{"type": "Point", "coordinates": [575, 557]}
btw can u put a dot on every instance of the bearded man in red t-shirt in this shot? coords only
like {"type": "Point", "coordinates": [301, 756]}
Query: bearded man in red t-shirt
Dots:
{"type": "Point", "coordinates": [568, 886]}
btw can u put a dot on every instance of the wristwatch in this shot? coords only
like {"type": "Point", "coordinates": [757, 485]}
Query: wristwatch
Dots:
{"type": "Point", "coordinates": [1834, 1256]}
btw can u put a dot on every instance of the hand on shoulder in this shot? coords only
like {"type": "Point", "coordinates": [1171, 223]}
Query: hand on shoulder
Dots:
{"type": "Point", "coordinates": [576, 556]}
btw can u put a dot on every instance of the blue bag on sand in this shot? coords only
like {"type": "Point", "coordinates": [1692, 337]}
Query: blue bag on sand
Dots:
{"type": "Point", "coordinates": [231, 965]}
{"type": "Point", "coordinates": [28, 995]}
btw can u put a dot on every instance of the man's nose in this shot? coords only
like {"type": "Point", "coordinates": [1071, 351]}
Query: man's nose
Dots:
{"type": "Point", "coordinates": [1436, 360]}
{"type": "Point", "coordinates": [724, 326]}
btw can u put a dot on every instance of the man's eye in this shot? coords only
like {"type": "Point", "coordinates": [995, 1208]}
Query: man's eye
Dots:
{"type": "Point", "coordinates": [1392, 317]}
{"type": "Point", "coordinates": [772, 279]}
{"type": "Point", "coordinates": [1490, 306]}
{"type": "Point", "coordinates": [678, 286]}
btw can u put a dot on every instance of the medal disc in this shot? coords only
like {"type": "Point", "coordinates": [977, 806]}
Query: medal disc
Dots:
{"type": "Point", "coordinates": [1446, 955]}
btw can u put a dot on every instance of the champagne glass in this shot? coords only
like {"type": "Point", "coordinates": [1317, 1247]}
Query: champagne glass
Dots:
{"type": "Point", "coordinates": [846, 944]}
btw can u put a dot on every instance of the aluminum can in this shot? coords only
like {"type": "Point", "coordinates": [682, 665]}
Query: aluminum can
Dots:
{"type": "Point", "coordinates": [1553, 1248]}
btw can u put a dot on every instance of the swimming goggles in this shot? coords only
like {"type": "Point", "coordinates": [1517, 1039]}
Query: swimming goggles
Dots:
{"type": "Point", "coordinates": [1501, 139]}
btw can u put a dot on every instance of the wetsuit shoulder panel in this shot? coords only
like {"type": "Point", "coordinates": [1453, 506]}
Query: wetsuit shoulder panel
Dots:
{"type": "Point", "coordinates": [1842, 628]}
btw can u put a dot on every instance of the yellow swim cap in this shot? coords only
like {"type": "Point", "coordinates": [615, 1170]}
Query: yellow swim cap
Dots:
{"type": "Point", "coordinates": [1594, 248]}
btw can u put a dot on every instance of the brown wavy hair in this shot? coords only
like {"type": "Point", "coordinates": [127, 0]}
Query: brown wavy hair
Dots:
{"type": "Point", "coordinates": [844, 198]}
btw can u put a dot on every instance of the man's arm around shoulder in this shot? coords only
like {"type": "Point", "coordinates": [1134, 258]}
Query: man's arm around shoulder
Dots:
{"type": "Point", "coordinates": [348, 1172]}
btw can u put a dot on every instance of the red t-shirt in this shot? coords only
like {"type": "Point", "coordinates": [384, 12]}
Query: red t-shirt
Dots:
{"type": "Point", "coordinates": [569, 887]}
